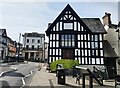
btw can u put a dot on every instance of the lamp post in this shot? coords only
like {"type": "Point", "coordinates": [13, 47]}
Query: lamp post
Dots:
{"type": "Point", "coordinates": [19, 46]}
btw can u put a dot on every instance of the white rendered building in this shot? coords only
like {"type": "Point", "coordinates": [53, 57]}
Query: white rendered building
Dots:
{"type": "Point", "coordinates": [33, 46]}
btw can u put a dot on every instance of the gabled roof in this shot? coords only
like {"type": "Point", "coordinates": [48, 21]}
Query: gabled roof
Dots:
{"type": "Point", "coordinates": [3, 32]}
{"type": "Point", "coordinates": [94, 24]}
{"type": "Point", "coordinates": [108, 50]}
{"type": "Point", "coordinates": [119, 24]}
{"type": "Point", "coordinates": [84, 21]}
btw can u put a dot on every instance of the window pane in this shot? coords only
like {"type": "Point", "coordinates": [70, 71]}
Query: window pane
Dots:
{"type": "Point", "coordinates": [86, 61]}
{"type": "Point", "coordinates": [50, 43]}
{"type": "Point", "coordinates": [53, 36]}
{"type": "Point", "coordinates": [53, 51]}
{"type": "Point", "coordinates": [100, 36]}
{"type": "Point", "coordinates": [73, 43]}
{"type": "Point", "coordinates": [85, 45]}
{"type": "Point", "coordinates": [53, 43]}
{"type": "Point", "coordinates": [56, 51]}
{"type": "Point", "coordinates": [85, 52]}
{"type": "Point", "coordinates": [32, 40]}
{"type": "Point", "coordinates": [57, 44]}
{"type": "Point", "coordinates": [96, 52]}
{"type": "Point", "coordinates": [88, 52]}
{"type": "Point", "coordinates": [90, 61]}
{"type": "Point", "coordinates": [68, 25]}
{"type": "Point", "coordinates": [50, 36]}
{"type": "Point", "coordinates": [96, 37]}
{"type": "Point", "coordinates": [81, 37]}
{"type": "Point", "coordinates": [38, 41]}
{"type": "Point", "coordinates": [69, 43]}
{"type": "Point", "coordinates": [102, 61]}
{"type": "Point", "coordinates": [59, 51]}
{"type": "Point", "coordinates": [27, 40]}
{"type": "Point", "coordinates": [96, 44]}
{"type": "Point", "coordinates": [84, 37]}
{"type": "Point", "coordinates": [101, 52]}
{"type": "Point", "coordinates": [82, 52]}
{"type": "Point", "coordinates": [78, 44]}
{"type": "Point", "coordinates": [93, 45]}
{"type": "Point", "coordinates": [92, 37]}
{"type": "Point", "coordinates": [65, 43]}
{"type": "Point", "coordinates": [82, 45]}
{"type": "Point", "coordinates": [57, 37]}
{"type": "Point", "coordinates": [66, 37]}
{"type": "Point", "coordinates": [73, 37]}
{"type": "Point", "coordinates": [82, 28]}
{"type": "Point", "coordinates": [97, 61]}
{"type": "Point", "coordinates": [93, 53]}
{"type": "Point", "coordinates": [78, 37]}
{"type": "Point", "coordinates": [61, 26]}
{"type": "Point", "coordinates": [93, 60]}
{"type": "Point", "coordinates": [101, 46]}
{"type": "Point", "coordinates": [62, 37]}
{"type": "Point", "coordinates": [69, 37]}
{"type": "Point", "coordinates": [62, 43]}
{"type": "Point", "coordinates": [75, 25]}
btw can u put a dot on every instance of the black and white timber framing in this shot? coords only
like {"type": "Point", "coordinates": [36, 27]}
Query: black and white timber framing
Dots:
{"type": "Point", "coordinates": [72, 37]}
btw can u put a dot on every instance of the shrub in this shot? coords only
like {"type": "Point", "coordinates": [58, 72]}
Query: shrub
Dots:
{"type": "Point", "coordinates": [67, 64]}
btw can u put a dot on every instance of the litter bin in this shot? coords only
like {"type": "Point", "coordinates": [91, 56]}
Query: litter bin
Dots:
{"type": "Point", "coordinates": [61, 76]}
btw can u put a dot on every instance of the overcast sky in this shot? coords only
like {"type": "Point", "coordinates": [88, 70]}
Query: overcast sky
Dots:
{"type": "Point", "coordinates": [24, 16]}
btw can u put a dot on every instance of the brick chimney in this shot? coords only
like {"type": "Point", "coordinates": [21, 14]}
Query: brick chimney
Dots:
{"type": "Point", "coordinates": [107, 19]}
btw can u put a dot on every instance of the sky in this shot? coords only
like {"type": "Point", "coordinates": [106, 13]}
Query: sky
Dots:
{"type": "Point", "coordinates": [33, 16]}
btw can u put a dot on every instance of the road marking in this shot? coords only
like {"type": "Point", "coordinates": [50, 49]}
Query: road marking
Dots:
{"type": "Point", "coordinates": [7, 71]}
{"type": "Point", "coordinates": [23, 79]}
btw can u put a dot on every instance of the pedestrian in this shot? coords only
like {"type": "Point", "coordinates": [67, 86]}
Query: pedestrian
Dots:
{"type": "Point", "coordinates": [78, 79]}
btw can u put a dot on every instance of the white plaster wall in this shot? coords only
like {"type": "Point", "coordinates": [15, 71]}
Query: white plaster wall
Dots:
{"type": "Point", "coordinates": [112, 37]}
{"type": "Point", "coordinates": [41, 44]}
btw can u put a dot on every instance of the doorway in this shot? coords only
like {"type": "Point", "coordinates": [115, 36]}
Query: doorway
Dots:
{"type": "Point", "coordinates": [68, 53]}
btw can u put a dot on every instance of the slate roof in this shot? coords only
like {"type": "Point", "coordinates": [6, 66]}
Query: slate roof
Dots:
{"type": "Point", "coordinates": [113, 26]}
{"type": "Point", "coordinates": [3, 32]}
{"type": "Point", "coordinates": [94, 24]}
{"type": "Point", "coordinates": [34, 34]}
{"type": "Point", "coordinates": [108, 50]}
{"type": "Point", "coordinates": [119, 24]}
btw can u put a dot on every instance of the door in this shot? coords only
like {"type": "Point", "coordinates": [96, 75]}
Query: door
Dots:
{"type": "Point", "coordinates": [26, 56]}
{"type": "Point", "coordinates": [68, 53]}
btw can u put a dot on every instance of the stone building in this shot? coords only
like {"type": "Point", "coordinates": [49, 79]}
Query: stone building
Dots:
{"type": "Point", "coordinates": [3, 44]}
{"type": "Point", "coordinates": [46, 50]}
{"type": "Point", "coordinates": [33, 46]}
{"type": "Point", "coordinates": [113, 37]}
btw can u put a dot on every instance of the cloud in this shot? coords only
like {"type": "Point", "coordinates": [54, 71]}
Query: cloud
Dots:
{"type": "Point", "coordinates": [21, 17]}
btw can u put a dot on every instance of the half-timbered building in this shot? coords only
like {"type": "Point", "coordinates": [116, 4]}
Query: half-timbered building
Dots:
{"type": "Point", "coordinates": [72, 37]}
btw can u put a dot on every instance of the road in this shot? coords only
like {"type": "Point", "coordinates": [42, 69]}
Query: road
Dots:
{"type": "Point", "coordinates": [14, 78]}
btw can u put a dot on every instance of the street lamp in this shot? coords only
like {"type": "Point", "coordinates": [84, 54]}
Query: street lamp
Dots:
{"type": "Point", "coordinates": [19, 46]}
{"type": "Point", "coordinates": [118, 44]}
{"type": "Point", "coordinates": [118, 36]}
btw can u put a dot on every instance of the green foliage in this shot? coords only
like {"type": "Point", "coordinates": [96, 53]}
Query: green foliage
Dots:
{"type": "Point", "coordinates": [67, 64]}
